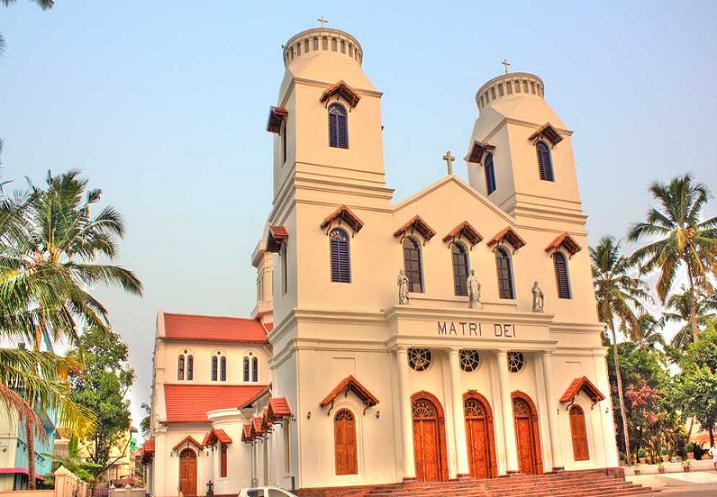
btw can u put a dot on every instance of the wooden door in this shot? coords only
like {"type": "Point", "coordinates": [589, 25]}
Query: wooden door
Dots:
{"type": "Point", "coordinates": [579, 434]}
{"type": "Point", "coordinates": [479, 438]}
{"type": "Point", "coordinates": [188, 472]}
{"type": "Point", "coordinates": [428, 440]}
{"type": "Point", "coordinates": [345, 443]}
{"type": "Point", "coordinates": [526, 437]}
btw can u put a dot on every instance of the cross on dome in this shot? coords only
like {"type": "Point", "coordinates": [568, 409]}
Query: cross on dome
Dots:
{"type": "Point", "coordinates": [506, 64]}
{"type": "Point", "coordinates": [322, 20]}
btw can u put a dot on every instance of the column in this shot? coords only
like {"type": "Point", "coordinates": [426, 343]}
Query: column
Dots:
{"type": "Point", "coordinates": [404, 395]}
{"type": "Point", "coordinates": [506, 404]}
{"type": "Point", "coordinates": [606, 410]}
{"type": "Point", "coordinates": [551, 402]}
{"type": "Point", "coordinates": [459, 426]}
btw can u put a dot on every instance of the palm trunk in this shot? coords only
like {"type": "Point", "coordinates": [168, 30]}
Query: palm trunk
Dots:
{"type": "Point", "coordinates": [712, 436]}
{"type": "Point", "coordinates": [30, 438]}
{"type": "Point", "coordinates": [618, 377]}
{"type": "Point", "coordinates": [693, 305]}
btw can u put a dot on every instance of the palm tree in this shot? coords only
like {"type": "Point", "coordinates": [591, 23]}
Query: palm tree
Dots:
{"type": "Point", "coordinates": [619, 301]}
{"type": "Point", "coordinates": [49, 244]}
{"type": "Point", "coordinates": [682, 239]}
{"type": "Point", "coordinates": [650, 331]}
{"type": "Point", "coordinates": [679, 307]}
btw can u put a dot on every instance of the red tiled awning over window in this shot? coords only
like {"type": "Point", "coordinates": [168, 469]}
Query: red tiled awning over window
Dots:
{"type": "Point", "coordinates": [478, 151]}
{"type": "Point", "coordinates": [193, 327]}
{"type": "Point", "coordinates": [148, 450]}
{"type": "Point", "coordinates": [350, 384]}
{"type": "Point", "coordinates": [507, 235]}
{"type": "Point", "coordinates": [566, 242]}
{"type": "Point", "coordinates": [415, 225]}
{"type": "Point", "coordinates": [584, 385]}
{"type": "Point", "coordinates": [277, 116]}
{"type": "Point", "coordinates": [341, 89]}
{"type": "Point", "coordinates": [190, 403]}
{"type": "Point", "coordinates": [464, 230]}
{"type": "Point", "coordinates": [548, 132]}
{"type": "Point", "coordinates": [216, 435]}
{"type": "Point", "coordinates": [342, 215]}
{"type": "Point", "coordinates": [246, 434]}
{"type": "Point", "coordinates": [275, 238]}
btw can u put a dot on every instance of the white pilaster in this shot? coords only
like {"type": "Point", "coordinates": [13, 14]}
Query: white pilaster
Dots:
{"type": "Point", "coordinates": [404, 393]}
{"type": "Point", "coordinates": [552, 406]}
{"type": "Point", "coordinates": [511, 450]}
{"type": "Point", "coordinates": [606, 411]}
{"type": "Point", "coordinates": [458, 415]}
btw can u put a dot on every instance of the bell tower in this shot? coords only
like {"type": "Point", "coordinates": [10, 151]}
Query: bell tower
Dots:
{"type": "Point", "coordinates": [520, 153]}
{"type": "Point", "coordinates": [327, 122]}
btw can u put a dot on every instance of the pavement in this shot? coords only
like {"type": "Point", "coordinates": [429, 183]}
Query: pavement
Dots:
{"type": "Point", "coordinates": [691, 484]}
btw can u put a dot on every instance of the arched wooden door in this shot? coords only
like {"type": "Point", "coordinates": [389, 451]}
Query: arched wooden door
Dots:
{"type": "Point", "coordinates": [479, 436]}
{"type": "Point", "coordinates": [429, 438]}
{"type": "Point", "coordinates": [579, 434]}
{"type": "Point", "coordinates": [188, 472]}
{"type": "Point", "coordinates": [527, 437]}
{"type": "Point", "coordinates": [345, 443]}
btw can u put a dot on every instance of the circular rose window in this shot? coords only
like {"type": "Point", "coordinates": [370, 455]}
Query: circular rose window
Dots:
{"type": "Point", "coordinates": [419, 359]}
{"type": "Point", "coordinates": [516, 361]}
{"type": "Point", "coordinates": [470, 359]}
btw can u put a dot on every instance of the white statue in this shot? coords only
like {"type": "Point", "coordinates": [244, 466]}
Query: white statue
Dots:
{"type": "Point", "coordinates": [538, 298]}
{"type": "Point", "coordinates": [402, 287]}
{"type": "Point", "coordinates": [473, 287]}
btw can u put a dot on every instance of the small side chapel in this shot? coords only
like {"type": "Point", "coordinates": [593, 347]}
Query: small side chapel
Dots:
{"type": "Point", "coordinates": [450, 335]}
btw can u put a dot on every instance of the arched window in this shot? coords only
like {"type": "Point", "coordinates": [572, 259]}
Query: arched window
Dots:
{"type": "Point", "coordinates": [545, 162]}
{"type": "Point", "coordinates": [579, 433]}
{"type": "Point", "coordinates": [214, 367]}
{"type": "Point", "coordinates": [460, 268]}
{"type": "Point", "coordinates": [190, 367]}
{"type": "Point", "coordinates": [223, 369]}
{"type": "Point", "coordinates": [561, 275]}
{"type": "Point", "coordinates": [247, 375]}
{"type": "Point", "coordinates": [338, 126]}
{"type": "Point", "coordinates": [345, 443]}
{"type": "Point", "coordinates": [412, 265]}
{"type": "Point", "coordinates": [489, 174]}
{"type": "Point", "coordinates": [255, 370]}
{"type": "Point", "coordinates": [505, 274]}
{"type": "Point", "coordinates": [340, 257]}
{"type": "Point", "coordinates": [180, 367]}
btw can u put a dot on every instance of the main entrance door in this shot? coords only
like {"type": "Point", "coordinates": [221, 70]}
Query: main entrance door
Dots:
{"type": "Point", "coordinates": [526, 434]}
{"type": "Point", "coordinates": [188, 472]}
{"type": "Point", "coordinates": [479, 436]}
{"type": "Point", "coordinates": [429, 438]}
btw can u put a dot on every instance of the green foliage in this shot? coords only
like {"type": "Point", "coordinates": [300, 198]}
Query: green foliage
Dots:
{"type": "Point", "coordinates": [101, 388]}
{"type": "Point", "coordinates": [641, 453]}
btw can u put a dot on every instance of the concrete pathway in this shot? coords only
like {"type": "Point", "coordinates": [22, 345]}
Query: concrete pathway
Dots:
{"type": "Point", "coordinates": [692, 484]}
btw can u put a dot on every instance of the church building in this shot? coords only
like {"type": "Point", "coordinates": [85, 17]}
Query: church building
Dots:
{"type": "Point", "coordinates": [450, 335]}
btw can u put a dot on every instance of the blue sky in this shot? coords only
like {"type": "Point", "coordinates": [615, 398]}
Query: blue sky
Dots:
{"type": "Point", "coordinates": [163, 105]}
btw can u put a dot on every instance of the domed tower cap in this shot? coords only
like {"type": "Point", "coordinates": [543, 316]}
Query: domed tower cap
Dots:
{"type": "Point", "coordinates": [322, 39]}
{"type": "Point", "coordinates": [510, 85]}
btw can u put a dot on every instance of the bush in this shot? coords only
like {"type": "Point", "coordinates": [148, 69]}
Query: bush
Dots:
{"type": "Point", "coordinates": [664, 452]}
{"type": "Point", "coordinates": [641, 453]}
{"type": "Point", "coordinates": [690, 447]}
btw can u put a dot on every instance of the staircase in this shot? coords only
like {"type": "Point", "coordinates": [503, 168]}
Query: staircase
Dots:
{"type": "Point", "coordinates": [563, 484]}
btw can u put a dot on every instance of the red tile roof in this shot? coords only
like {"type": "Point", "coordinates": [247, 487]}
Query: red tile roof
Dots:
{"type": "Point", "coordinates": [190, 403]}
{"type": "Point", "coordinates": [246, 433]}
{"type": "Point", "coordinates": [213, 328]}
{"type": "Point", "coordinates": [278, 408]}
{"type": "Point", "coordinates": [148, 450]}
{"type": "Point", "coordinates": [350, 384]}
{"type": "Point", "coordinates": [275, 237]}
{"type": "Point", "coordinates": [214, 435]}
{"type": "Point", "coordinates": [584, 384]}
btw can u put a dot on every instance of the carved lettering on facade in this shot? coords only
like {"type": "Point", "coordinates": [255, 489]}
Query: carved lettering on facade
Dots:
{"type": "Point", "coordinates": [471, 329]}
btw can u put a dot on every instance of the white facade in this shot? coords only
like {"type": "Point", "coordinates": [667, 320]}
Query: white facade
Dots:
{"type": "Point", "coordinates": [337, 320]}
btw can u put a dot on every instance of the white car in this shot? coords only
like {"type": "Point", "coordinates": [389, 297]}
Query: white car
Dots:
{"type": "Point", "coordinates": [265, 492]}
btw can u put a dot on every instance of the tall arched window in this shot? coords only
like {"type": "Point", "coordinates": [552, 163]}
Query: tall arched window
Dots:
{"type": "Point", "coordinates": [214, 367]}
{"type": "Point", "coordinates": [345, 451]}
{"type": "Point", "coordinates": [180, 367]}
{"type": "Point", "coordinates": [247, 374]}
{"type": "Point", "coordinates": [338, 126]}
{"type": "Point", "coordinates": [255, 370]}
{"type": "Point", "coordinates": [545, 162]}
{"type": "Point", "coordinates": [579, 434]}
{"type": "Point", "coordinates": [190, 367]}
{"type": "Point", "coordinates": [505, 274]}
{"type": "Point", "coordinates": [460, 268]}
{"type": "Point", "coordinates": [489, 174]}
{"type": "Point", "coordinates": [223, 369]}
{"type": "Point", "coordinates": [561, 275]}
{"type": "Point", "coordinates": [340, 256]}
{"type": "Point", "coordinates": [412, 265]}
